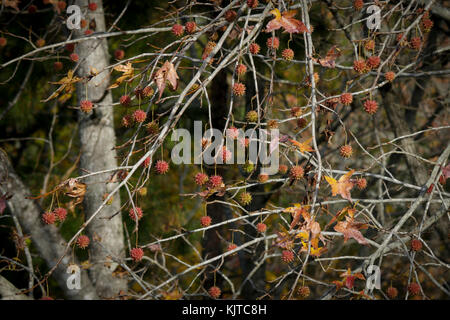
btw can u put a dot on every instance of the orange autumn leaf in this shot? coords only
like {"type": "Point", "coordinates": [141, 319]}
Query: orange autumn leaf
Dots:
{"type": "Point", "coordinates": [303, 146]}
{"type": "Point", "coordinates": [286, 21]}
{"type": "Point", "coordinates": [349, 278]}
{"type": "Point", "coordinates": [343, 186]}
{"type": "Point", "coordinates": [66, 85]}
{"type": "Point", "coordinates": [350, 229]}
{"type": "Point", "coordinates": [127, 73]}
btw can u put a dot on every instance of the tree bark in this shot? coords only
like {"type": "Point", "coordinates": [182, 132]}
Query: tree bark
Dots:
{"type": "Point", "coordinates": [97, 137]}
{"type": "Point", "coordinates": [45, 238]}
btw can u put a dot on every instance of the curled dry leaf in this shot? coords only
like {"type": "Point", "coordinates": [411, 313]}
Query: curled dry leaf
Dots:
{"type": "Point", "coordinates": [166, 73]}
{"type": "Point", "coordinates": [330, 59]}
{"type": "Point", "coordinates": [286, 21]}
{"type": "Point", "coordinates": [127, 73]}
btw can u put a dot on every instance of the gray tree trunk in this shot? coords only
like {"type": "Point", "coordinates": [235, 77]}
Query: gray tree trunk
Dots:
{"type": "Point", "coordinates": [46, 238]}
{"type": "Point", "coordinates": [98, 139]}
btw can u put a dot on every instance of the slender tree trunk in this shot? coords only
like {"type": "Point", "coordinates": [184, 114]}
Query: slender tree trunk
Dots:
{"type": "Point", "coordinates": [98, 139]}
{"type": "Point", "coordinates": [45, 238]}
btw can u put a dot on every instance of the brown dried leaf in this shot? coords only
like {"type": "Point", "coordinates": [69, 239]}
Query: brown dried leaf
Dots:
{"type": "Point", "coordinates": [166, 73]}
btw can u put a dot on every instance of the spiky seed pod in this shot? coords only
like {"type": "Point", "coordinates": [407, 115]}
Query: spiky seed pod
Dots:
{"type": "Point", "coordinates": [127, 121]}
{"type": "Point", "coordinates": [304, 292]}
{"type": "Point", "coordinates": [358, 4]}
{"type": "Point", "coordinates": [58, 66]}
{"type": "Point", "coordinates": [248, 167]}
{"type": "Point", "coordinates": [201, 178]}
{"type": "Point", "coordinates": [88, 32]}
{"type": "Point", "coordinates": [205, 221]}
{"type": "Point", "coordinates": [161, 167]}
{"type": "Point", "coordinates": [232, 133]}
{"type": "Point", "coordinates": [215, 181]}
{"type": "Point", "coordinates": [416, 43]}
{"type": "Point", "coordinates": [252, 116]}
{"type": "Point", "coordinates": [125, 100]}
{"type": "Point", "coordinates": [190, 27]}
{"type": "Point", "coordinates": [346, 98]}
{"type": "Point", "coordinates": [70, 47]}
{"type": "Point", "coordinates": [413, 289]}
{"type": "Point", "coordinates": [261, 227]}
{"type": "Point", "coordinates": [263, 177]}
{"type": "Point", "coordinates": [252, 3]}
{"type": "Point", "coordinates": [142, 191]}
{"type": "Point", "coordinates": [416, 245]}
{"type": "Point", "coordinates": [83, 241]}
{"type": "Point", "coordinates": [254, 48]}
{"type": "Point", "coordinates": [369, 45]}
{"type": "Point", "coordinates": [119, 54]}
{"type": "Point", "coordinates": [301, 123]}
{"type": "Point", "coordinates": [360, 66]}
{"type": "Point", "coordinates": [230, 15]}
{"type": "Point", "coordinates": [226, 154]}
{"type": "Point", "coordinates": [427, 24]}
{"type": "Point", "coordinates": [32, 9]}
{"type": "Point", "coordinates": [373, 62]}
{"type": "Point", "coordinates": [245, 198]}
{"type": "Point", "coordinates": [231, 247]}
{"type": "Point", "coordinates": [40, 43]}
{"type": "Point", "coordinates": [273, 43]}
{"type": "Point", "coordinates": [287, 256]}
{"type": "Point", "coordinates": [3, 41]}
{"type": "Point", "coordinates": [49, 218]}
{"type": "Point", "coordinates": [370, 106]}
{"type": "Point", "coordinates": [92, 6]}
{"type": "Point", "coordinates": [389, 76]}
{"type": "Point", "coordinates": [287, 54]}
{"type": "Point", "coordinates": [239, 89]}
{"type": "Point", "coordinates": [74, 57]}
{"type": "Point", "coordinates": [361, 183]}
{"type": "Point", "coordinates": [272, 124]}
{"type": "Point", "coordinates": [178, 30]}
{"type": "Point", "coordinates": [283, 169]}
{"type": "Point", "coordinates": [139, 93]}
{"type": "Point", "coordinates": [296, 172]}
{"type": "Point", "coordinates": [214, 292]}
{"type": "Point", "coordinates": [152, 127]}
{"type": "Point", "coordinates": [241, 69]}
{"type": "Point", "coordinates": [133, 213]}
{"type": "Point", "coordinates": [137, 254]}
{"type": "Point", "coordinates": [147, 91]}
{"type": "Point", "coordinates": [316, 79]}
{"type": "Point", "coordinates": [60, 213]}
{"type": "Point", "coordinates": [139, 116]}
{"type": "Point", "coordinates": [392, 292]}
{"type": "Point", "coordinates": [296, 112]}
{"type": "Point", "coordinates": [346, 151]}
{"type": "Point", "coordinates": [146, 162]}
{"type": "Point", "coordinates": [244, 142]}
{"type": "Point", "coordinates": [86, 106]}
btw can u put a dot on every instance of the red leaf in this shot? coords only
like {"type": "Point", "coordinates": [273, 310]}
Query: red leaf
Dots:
{"type": "Point", "coordinates": [350, 229]}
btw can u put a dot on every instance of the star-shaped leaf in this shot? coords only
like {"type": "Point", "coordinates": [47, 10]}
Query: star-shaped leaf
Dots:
{"type": "Point", "coordinates": [350, 229]}
{"type": "Point", "coordinates": [286, 21]}
{"type": "Point", "coordinates": [303, 146]}
{"type": "Point", "coordinates": [341, 186]}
